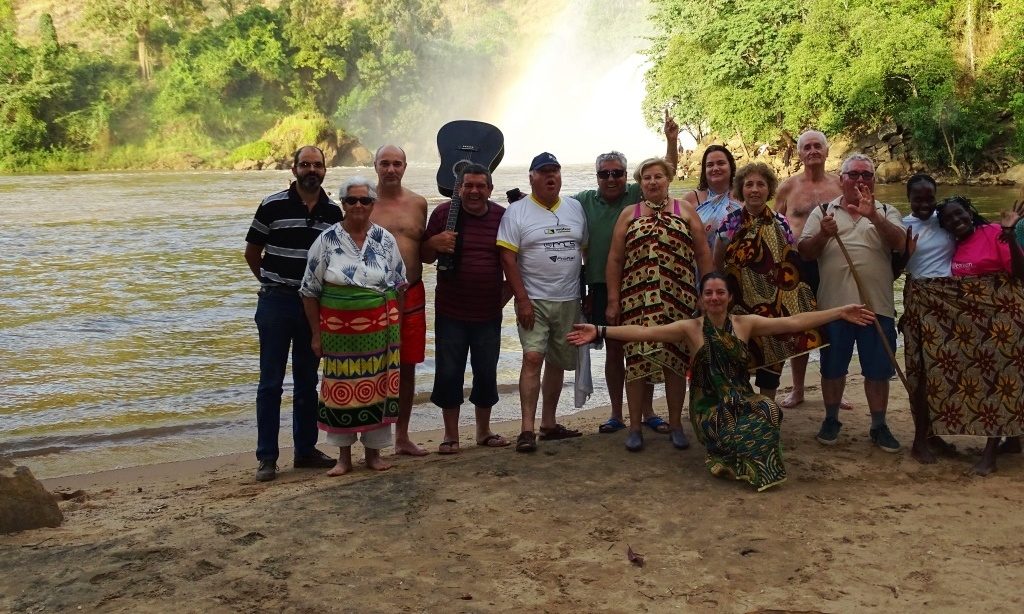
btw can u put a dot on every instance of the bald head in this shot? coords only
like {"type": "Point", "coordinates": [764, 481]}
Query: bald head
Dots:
{"type": "Point", "coordinates": [389, 162]}
{"type": "Point", "coordinates": [390, 151]}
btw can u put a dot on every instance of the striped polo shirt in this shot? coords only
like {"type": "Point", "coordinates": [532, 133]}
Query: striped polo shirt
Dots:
{"type": "Point", "coordinates": [285, 227]}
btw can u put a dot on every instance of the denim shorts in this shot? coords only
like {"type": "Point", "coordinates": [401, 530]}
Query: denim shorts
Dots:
{"type": "Point", "coordinates": [874, 360]}
{"type": "Point", "coordinates": [453, 341]}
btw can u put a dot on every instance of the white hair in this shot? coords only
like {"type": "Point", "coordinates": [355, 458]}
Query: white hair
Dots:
{"type": "Point", "coordinates": [358, 180]}
{"type": "Point", "coordinates": [809, 134]}
{"type": "Point", "coordinates": [856, 157]}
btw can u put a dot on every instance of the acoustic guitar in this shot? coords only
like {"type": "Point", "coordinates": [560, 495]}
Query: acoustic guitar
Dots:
{"type": "Point", "coordinates": [461, 142]}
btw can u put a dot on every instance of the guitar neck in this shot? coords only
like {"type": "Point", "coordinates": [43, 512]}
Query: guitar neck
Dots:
{"type": "Point", "coordinates": [454, 210]}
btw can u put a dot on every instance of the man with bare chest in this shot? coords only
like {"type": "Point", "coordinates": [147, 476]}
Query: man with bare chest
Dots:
{"type": "Point", "coordinates": [404, 214]}
{"type": "Point", "coordinates": [798, 196]}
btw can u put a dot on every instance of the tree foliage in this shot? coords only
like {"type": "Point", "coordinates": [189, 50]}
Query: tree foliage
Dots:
{"type": "Point", "coordinates": [769, 69]}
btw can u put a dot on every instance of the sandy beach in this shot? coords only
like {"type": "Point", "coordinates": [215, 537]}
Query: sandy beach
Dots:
{"type": "Point", "coordinates": [852, 529]}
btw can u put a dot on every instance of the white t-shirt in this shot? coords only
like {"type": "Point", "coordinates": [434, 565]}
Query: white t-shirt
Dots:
{"type": "Point", "coordinates": [549, 245]}
{"type": "Point", "coordinates": [934, 251]}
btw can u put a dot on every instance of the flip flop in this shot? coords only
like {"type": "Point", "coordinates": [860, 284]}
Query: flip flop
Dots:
{"type": "Point", "coordinates": [558, 432]}
{"type": "Point", "coordinates": [656, 424]}
{"type": "Point", "coordinates": [448, 447]}
{"type": "Point", "coordinates": [611, 425]}
{"type": "Point", "coordinates": [526, 442]}
{"type": "Point", "coordinates": [493, 441]}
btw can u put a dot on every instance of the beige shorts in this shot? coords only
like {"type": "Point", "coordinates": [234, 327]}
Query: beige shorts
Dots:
{"type": "Point", "coordinates": [552, 321]}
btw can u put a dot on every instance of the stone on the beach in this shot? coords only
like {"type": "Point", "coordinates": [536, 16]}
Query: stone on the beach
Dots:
{"type": "Point", "coordinates": [24, 503]}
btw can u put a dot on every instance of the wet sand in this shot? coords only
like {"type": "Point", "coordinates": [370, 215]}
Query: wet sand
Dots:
{"type": "Point", "coordinates": [853, 528]}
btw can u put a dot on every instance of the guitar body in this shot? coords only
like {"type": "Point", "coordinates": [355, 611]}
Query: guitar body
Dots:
{"type": "Point", "coordinates": [465, 139]}
{"type": "Point", "coordinates": [459, 142]}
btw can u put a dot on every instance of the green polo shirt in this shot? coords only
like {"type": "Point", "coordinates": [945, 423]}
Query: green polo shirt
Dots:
{"type": "Point", "coordinates": [601, 218]}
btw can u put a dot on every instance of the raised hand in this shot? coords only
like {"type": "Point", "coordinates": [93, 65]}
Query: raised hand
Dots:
{"type": "Point", "coordinates": [911, 244]}
{"type": "Point", "coordinates": [866, 202]}
{"type": "Point", "coordinates": [671, 128]}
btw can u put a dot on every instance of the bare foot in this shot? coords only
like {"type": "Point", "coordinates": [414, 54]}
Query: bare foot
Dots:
{"type": "Point", "coordinates": [844, 404]}
{"type": "Point", "coordinates": [377, 463]}
{"type": "Point", "coordinates": [940, 445]}
{"type": "Point", "coordinates": [1011, 445]}
{"type": "Point", "coordinates": [987, 464]}
{"type": "Point", "coordinates": [922, 453]}
{"type": "Point", "coordinates": [340, 469]}
{"type": "Point", "coordinates": [408, 448]}
{"type": "Point", "coordinates": [792, 399]}
{"type": "Point", "coordinates": [985, 467]}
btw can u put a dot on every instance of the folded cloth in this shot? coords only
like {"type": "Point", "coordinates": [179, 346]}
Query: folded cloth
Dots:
{"type": "Point", "coordinates": [584, 386]}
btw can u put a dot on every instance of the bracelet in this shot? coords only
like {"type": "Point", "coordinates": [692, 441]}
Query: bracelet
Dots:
{"type": "Point", "coordinates": [604, 332]}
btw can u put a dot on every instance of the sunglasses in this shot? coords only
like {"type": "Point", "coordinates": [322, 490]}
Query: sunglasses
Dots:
{"type": "Point", "coordinates": [865, 175]}
{"type": "Point", "coordinates": [362, 200]}
{"type": "Point", "coordinates": [618, 173]}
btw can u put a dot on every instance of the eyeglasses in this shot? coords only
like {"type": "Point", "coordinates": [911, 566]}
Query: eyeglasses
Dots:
{"type": "Point", "coordinates": [362, 200]}
{"type": "Point", "coordinates": [865, 175]}
{"type": "Point", "coordinates": [316, 165]}
{"type": "Point", "coordinates": [617, 173]}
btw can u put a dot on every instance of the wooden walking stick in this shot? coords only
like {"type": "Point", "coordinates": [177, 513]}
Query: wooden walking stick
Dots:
{"type": "Point", "coordinates": [878, 325]}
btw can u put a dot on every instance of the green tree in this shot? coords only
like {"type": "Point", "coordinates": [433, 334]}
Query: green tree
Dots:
{"type": "Point", "coordinates": [136, 19]}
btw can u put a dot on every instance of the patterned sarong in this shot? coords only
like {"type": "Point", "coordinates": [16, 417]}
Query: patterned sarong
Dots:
{"type": "Point", "coordinates": [765, 270]}
{"type": "Point", "coordinates": [738, 427]}
{"type": "Point", "coordinates": [658, 287]}
{"type": "Point", "coordinates": [964, 351]}
{"type": "Point", "coordinates": [359, 333]}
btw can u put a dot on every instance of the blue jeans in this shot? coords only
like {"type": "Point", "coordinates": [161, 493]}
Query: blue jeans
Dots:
{"type": "Point", "coordinates": [281, 322]}
{"type": "Point", "coordinates": [453, 340]}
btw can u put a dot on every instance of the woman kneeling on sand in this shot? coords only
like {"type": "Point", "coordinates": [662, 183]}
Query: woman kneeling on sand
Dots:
{"type": "Point", "coordinates": [738, 427]}
{"type": "Point", "coordinates": [352, 296]}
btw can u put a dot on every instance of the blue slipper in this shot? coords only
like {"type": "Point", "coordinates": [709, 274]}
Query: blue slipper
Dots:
{"type": "Point", "coordinates": [611, 425]}
{"type": "Point", "coordinates": [635, 441]}
{"type": "Point", "coordinates": [656, 424]}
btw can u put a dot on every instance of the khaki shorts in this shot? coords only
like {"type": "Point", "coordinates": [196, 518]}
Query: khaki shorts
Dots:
{"type": "Point", "coordinates": [552, 321]}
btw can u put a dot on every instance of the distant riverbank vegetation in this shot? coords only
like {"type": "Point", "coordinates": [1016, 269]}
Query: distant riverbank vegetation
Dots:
{"type": "Point", "coordinates": [948, 73]}
{"type": "Point", "coordinates": [210, 83]}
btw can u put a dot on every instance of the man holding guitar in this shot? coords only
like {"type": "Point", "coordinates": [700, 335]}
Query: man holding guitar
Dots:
{"type": "Point", "coordinates": [403, 213]}
{"type": "Point", "coordinates": [468, 301]}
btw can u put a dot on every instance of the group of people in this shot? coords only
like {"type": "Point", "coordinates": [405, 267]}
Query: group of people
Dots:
{"type": "Point", "coordinates": [710, 288]}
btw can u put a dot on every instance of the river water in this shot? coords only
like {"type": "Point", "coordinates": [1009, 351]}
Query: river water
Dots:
{"type": "Point", "coordinates": [126, 332]}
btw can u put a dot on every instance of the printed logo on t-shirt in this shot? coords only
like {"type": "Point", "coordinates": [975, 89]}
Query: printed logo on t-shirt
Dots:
{"type": "Point", "coordinates": [561, 258]}
{"type": "Point", "coordinates": [560, 246]}
{"type": "Point", "coordinates": [557, 230]}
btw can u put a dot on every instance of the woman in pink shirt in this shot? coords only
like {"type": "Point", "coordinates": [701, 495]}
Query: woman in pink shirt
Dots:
{"type": "Point", "coordinates": [976, 382]}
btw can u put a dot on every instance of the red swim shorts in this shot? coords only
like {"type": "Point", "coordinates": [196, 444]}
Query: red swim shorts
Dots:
{"type": "Point", "coordinates": [414, 325]}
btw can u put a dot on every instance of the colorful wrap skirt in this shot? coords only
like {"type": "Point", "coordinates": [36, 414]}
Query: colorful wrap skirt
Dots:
{"type": "Point", "coordinates": [359, 334]}
{"type": "Point", "coordinates": [964, 353]}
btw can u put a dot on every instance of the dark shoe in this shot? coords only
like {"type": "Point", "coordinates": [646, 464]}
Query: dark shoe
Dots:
{"type": "Point", "coordinates": [829, 433]}
{"type": "Point", "coordinates": [558, 432]}
{"type": "Point", "coordinates": [267, 471]}
{"type": "Point", "coordinates": [882, 437]}
{"type": "Point", "coordinates": [679, 440]}
{"type": "Point", "coordinates": [316, 460]}
{"type": "Point", "coordinates": [635, 441]}
{"type": "Point", "coordinates": [526, 442]}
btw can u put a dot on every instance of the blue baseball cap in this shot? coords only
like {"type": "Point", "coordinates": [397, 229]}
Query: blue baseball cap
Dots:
{"type": "Point", "coordinates": [542, 160]}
